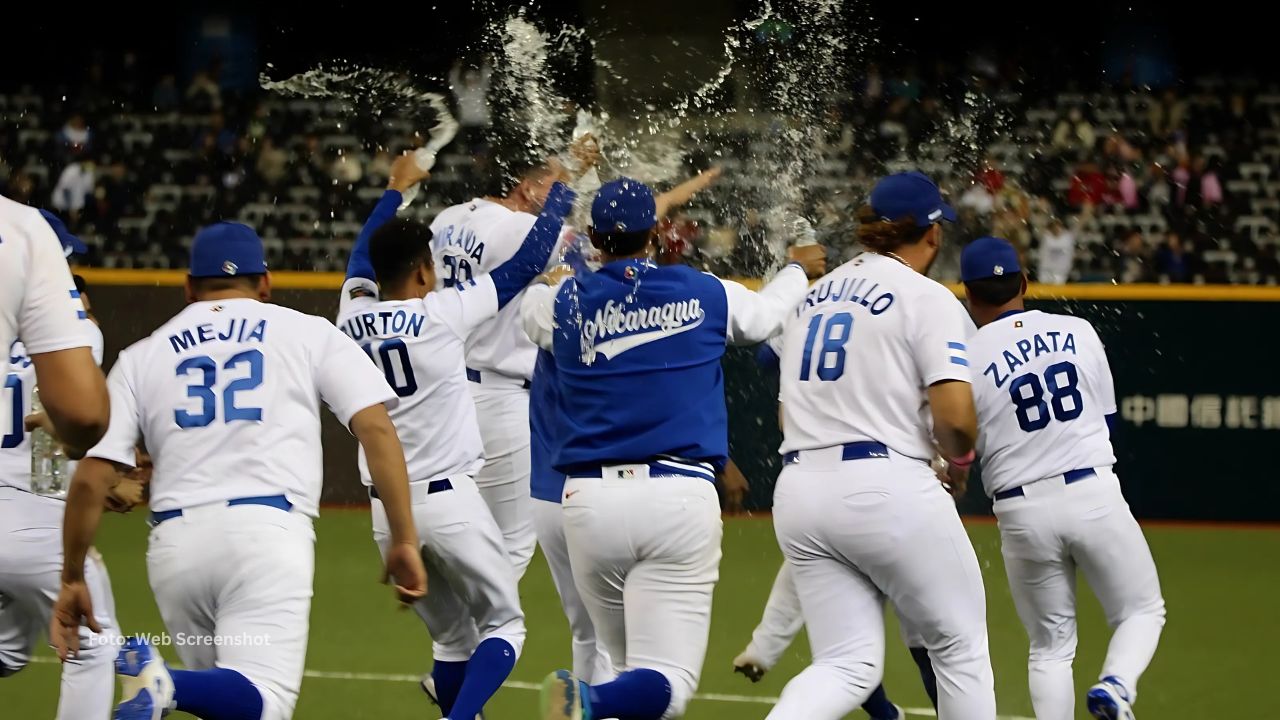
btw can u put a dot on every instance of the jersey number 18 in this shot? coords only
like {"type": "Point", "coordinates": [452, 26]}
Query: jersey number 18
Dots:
{"type": "Point", "coordinates": [831, 353]}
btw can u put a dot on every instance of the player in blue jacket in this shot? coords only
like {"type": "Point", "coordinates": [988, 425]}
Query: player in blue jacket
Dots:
{"type": "Point", "coordinates": [644, 427]}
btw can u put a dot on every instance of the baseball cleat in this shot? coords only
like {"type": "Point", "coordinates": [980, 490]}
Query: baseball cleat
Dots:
{"type": "Point", "coordinates": [749, 666]}
{"type": "Point", "coordinates": [1108, 700]}
{"type": "Point", "coordinates": [146, 689]}
{"type": "Point", "coordinates": [428, 685]}
{"type": "Point", "coordinates": [564, 697]}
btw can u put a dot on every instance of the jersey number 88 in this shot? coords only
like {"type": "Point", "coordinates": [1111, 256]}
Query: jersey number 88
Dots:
{"type": "Point", "coordinates": [1028, 397]}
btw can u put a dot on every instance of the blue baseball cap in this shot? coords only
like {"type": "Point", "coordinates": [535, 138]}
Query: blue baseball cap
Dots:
{"type": "Point", "coordinates": [624, 205]}
{"type": "Point", "coordinates": [71, 245]}
{"type": "Point", "coordinates": [910, 193]}
{"type": "Point", "coordinates": [988, 257]}
{"type": "Point", "coordinates": [227, 249]}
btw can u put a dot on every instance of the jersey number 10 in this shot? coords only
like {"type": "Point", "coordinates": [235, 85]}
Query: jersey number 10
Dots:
{"type": "Point", "coordinates": [1028, 397]}
{"type": "Point", "coordinates": [831, 355]}
{"type": "Point", "coordinates": [392, 353]}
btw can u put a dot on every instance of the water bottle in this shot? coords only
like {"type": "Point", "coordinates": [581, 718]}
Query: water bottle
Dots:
{"type": "Point", "coordinates": [48, 461]}
{"type": "Point", "coordinates": [425, 157]}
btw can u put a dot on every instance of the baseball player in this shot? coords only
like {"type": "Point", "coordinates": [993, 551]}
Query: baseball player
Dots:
{"type": "Point", "coordinates": [416, 338]}
{"type": "Point", "coordinates": [227, 395]}
{"type": "Point", "coordinates": [1045, 403]}
{"type": "Point", "coordinates": [40, 304]}
{"type": "Point", "coordinates": [467, 241]}
{"type": "Point", "coordinates": [637, 350]}
{"type": "Point", "coordinates": [873, 379]}
{"type": "Point", "coordinates": [591, 661]}
{"type": "Point", "coordinates": [29, 570]}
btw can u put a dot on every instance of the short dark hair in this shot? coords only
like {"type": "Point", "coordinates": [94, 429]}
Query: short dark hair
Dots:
{"type": "Point", "coordinates": [231, 282]}
{"type": "Point", "coordinates": [996, 290]}
{"type": "Point", "coordinates": [621, 243]}
{"type": "Point", "coordinates": [398, 248]}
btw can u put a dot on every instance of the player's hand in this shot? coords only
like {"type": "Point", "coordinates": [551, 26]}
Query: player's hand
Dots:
{"type": "Point", "coordinates": [735, 488]}
{"type": "Point", "coordinates": [39, 421]}
{"type": "Point", "coordinates": [813, 258]}
{"type": "Point", "coordinates": [126, 495]}
{"type": "Point", "coordinates": [957, 480]}
{"type": "Point", "coordinates": [72, 608]}
{"type": "Point", "coordinates": [406, 572]}
{"type": "Point", "coordinates": [553, 276]}
{"type": "Point", "coordinates": [584, 154]}
{"type": "Point", "coordinates": [405, 173]}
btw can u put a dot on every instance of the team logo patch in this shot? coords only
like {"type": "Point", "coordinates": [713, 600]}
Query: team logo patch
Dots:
{"type": "Point", "coordinates": [230, 268]}
{"type": "Point", "coordinates": [216, 308]}
{"type": "Point", "coordinates": [999, 270]}
{"type": "Point", "coordinates": [627, 474]}
{"type": "Point", "coordinates": [619, 327]}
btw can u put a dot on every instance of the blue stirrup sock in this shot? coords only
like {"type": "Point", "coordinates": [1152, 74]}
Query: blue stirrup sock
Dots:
{"type": "Point", "coordinates": [921, 656]}
{"type": "Point", "coordinates": [878, 705]}
{"type": "Point", "coordinates": [641, 694]}
{"type": "Point", "coordinates": [448, 677]}
{"type": "Point", "coordinates": [488, 668]}
{"type": "Point", "coordinates": [216, 694]}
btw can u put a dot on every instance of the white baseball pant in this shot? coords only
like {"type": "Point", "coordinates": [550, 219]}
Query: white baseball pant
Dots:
{"type": "Point", "coordinates": [856, 532]}
{"type": "Point", "coordinates": [591, 661]}
{"type": "Point", "coordinates": [782, 621]}
{"type": "Point", "coordinates": [471, 586]}
{"type": "Point", "coordinates": [645, 553]}
{"type": "Point", "coordinates": [30, 577]}
{"type": "Point", "coordinates": [1045, 535]}
{"type": "Point", "coordinates": [234, 585]}
{"type": "Point", "coordinates": [502, 410]}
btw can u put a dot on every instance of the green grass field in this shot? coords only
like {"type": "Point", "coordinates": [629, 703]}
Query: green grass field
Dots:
{"type": "Point", "coordinates": [1220, 585]}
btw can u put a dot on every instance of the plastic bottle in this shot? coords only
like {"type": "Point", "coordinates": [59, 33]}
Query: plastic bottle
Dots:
{"type": "Point", "coordinates": [48, 461]}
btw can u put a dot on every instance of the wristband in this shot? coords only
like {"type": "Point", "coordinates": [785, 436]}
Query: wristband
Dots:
{"type": "Point", "coordinates": [965, 460]}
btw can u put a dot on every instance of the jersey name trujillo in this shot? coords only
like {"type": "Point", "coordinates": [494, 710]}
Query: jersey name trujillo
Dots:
{"type": "Point", "coordinates": [382, 323]}
{"type": "Point", "coordinates": [1035, 347]}
{"type": "Point", "coordinates": [850, 289]}
{"type": "Point", "coordinates": [237, 328]}
{"type": "Point", "coordinates": [636, 327]}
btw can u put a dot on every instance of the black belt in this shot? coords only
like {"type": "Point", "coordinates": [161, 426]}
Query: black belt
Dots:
{"type": "Point", "coordinates": [433, 487]}
{"type": "Point", "coordinates": [849, 451]}
{"type": "Point", "coordinates": [275, 501]}
{"type": "Point", "coordinates": [476, 377]}
{"type": "Point", "coordinates": [1069, 477]}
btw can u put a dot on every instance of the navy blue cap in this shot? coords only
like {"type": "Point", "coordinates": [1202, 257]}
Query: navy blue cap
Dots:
{"type": "Point", "coordinates": [988, 257]}
{"type": "Point", "coordinates": [227, 249]}
{"type": "Point", "coordinates": [910, 193]}
{"type": "Point", "coordinates": [71, 245]}
{"type": "Point", "coordinates": [624, 205]}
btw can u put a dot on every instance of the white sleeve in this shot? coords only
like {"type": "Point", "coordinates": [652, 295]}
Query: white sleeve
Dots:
{"type": "Point", "coordinates": [52, 317]}
{"type": "Point", "coordinates": [125, 429]}
{"type": "Point", "coordinates": [346, 378]}
{"type": "Point", "coordinates": [538, 314]}
{"type": "Point", "coordinates": [356, 293]}
{"type": "Point", "coordinates": [940, 339]}
{"type": "Point", "coordinates": [1106, 385]}
{"type": "Point", "coordinates": [465, 306]}
{"type": "Point", "coordinates": [756, 317]}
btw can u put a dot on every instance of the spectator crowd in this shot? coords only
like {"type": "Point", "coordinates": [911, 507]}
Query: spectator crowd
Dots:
{"type": "Point", "coordinates": [1097, 185]}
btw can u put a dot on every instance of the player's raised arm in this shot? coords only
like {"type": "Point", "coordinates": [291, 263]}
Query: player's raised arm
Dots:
{"type": "Point", "coordinates": [531, 259]}
{"type": "Point", "coordinates": [58, 336]}
{"type": "Point", "coordinates": [756, 317]}
{"type": "Point", "coordinates": [538, 307]}
{"type": "Point", "coordinates": [361, 281]}
{"type": "Point", "coordinates": [684, 192]}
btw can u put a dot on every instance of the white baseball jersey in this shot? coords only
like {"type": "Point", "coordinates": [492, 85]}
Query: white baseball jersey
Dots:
{"type": "Point", "coordinates": [419, 345]}
{"type": "Point", "coordinates": [860, 353]}
{"type": "Point", "coordinates": [1043, 390]}
{"type": "Point", "coordinates": [38, 299]}
{"type": "Point", "coordinates": [227, 395]}
{"type": "Point", "coordinates": [19, 385]}
{"type": "Point", "coordinates": [472, 239]}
